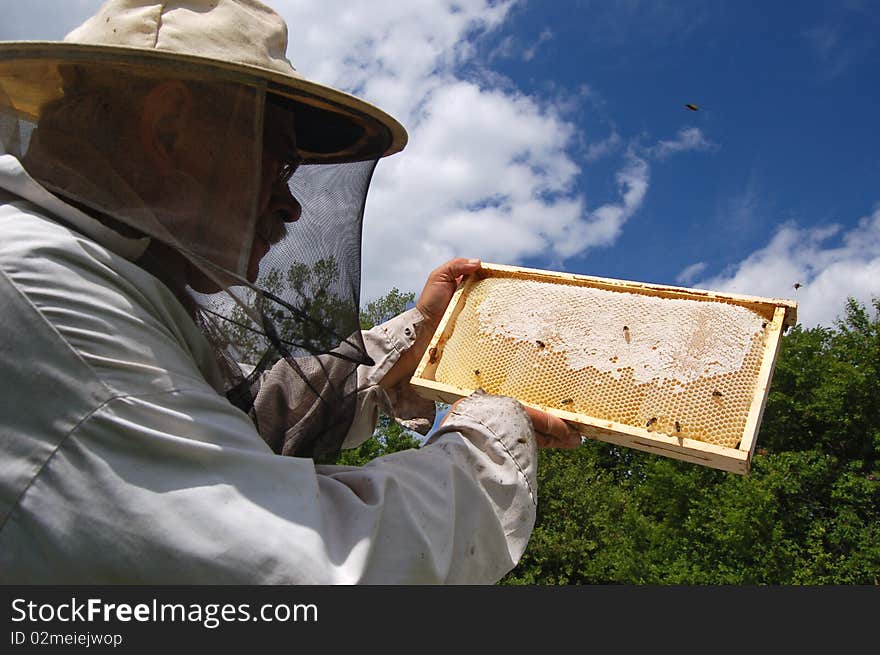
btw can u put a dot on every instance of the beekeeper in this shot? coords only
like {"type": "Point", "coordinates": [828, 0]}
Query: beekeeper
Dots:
{"type": "Point", "coordinates": [181, 216]}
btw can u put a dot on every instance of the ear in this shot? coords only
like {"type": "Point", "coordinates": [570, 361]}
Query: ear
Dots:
{"type": "Point", "coordinates": [163, 116]}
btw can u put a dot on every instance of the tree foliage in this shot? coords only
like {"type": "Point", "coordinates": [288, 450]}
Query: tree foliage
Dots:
{"type": "Point", "coordinates": [391, 304]}
{"type": "Point", "coordinates": [808, 513]}
{"type": "Point", "coordinates": [319, 311]}
{"type": "Point", "coordinates": [388, 437]}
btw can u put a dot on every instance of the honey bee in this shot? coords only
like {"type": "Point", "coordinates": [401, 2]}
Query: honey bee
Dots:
{"type": "Point", "coordinates": [432, 355]}
{"type": "Point", "coordinates": [540, 343]}
{"type": "Point", "coordinates": [566, 401]}
{"type": "Point", "coordinates": [677, 426]}
{"type": "Point", "coordinates": [651, 421]}
{"type": "Point", "coordinates": [626, 333]}
{"type": "Point", "coordinates": [476, 371]}
{"type": "Point", "coordinates": [717, 393]}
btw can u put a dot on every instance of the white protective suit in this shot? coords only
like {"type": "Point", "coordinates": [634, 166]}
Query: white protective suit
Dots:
{"type": "Point", "coordinates": [121, 463]}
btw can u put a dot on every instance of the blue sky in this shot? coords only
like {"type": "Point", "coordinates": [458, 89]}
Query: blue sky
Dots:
{"type": "Point", "coordinates": [554, 135]}
{"type": "Point", "coordinates": [788, 96]}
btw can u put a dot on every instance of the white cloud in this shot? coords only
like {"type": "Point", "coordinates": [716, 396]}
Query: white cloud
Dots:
{"type": "Point", "coordinates": [835, 47]}
{"type": "Point", "coordinates": [388, 52]}
{"type": "Point", "coordinates": [529, 53]}
{"type": "Point", "coordinates": [830, 265]}
{"type": "Point", "coordinates": [486, 172]}
{"type": "Point", "coordinates": [512, 48]}
{"type": "Point", "coordinates": [688, 138]}
{"type": "Point", "coordinates": [506, 49]}
{"type": "Point", "coordinates": [603, 148]}
{"type": "Point", "coordinates": [606, 222]}
{"type": "Point", "coordinates": [690, 273]}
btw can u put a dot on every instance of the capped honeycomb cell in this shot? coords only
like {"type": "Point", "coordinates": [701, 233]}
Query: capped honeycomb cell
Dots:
{"type": "Point", "coordinates": [664, 369]}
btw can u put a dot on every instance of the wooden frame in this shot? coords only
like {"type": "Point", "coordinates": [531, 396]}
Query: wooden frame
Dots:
{"type": "Point", "coordinates": [781, 313]}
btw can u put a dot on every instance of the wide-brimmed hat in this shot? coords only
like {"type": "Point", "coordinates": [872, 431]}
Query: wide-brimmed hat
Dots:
{"type": "Point", "coordinates": [234, 40]}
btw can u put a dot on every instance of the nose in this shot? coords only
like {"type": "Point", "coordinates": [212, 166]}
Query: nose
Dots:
{"type": "Point", "coordinates": [283, 204]}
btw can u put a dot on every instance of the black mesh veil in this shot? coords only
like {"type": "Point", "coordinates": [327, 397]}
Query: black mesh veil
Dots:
{"type": "Point", "coordinates": [255, 234]}
{"type": "Point", "coordinates": [305, 343]}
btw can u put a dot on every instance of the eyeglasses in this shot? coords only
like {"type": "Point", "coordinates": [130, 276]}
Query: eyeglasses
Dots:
{"type": "Point", "coordinates": [281, 152]}
{"type": "Point", "coordinates": [287, 168]}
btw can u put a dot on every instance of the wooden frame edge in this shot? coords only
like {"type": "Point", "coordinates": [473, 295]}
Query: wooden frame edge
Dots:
{"type": "Point", "coordinates": [432, 354]}
{"type": "Point", "coordinates": [762, 385]}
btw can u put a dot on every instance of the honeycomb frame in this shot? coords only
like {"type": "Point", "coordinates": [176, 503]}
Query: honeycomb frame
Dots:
{"type": "Point", "coordinates": [678, 372]}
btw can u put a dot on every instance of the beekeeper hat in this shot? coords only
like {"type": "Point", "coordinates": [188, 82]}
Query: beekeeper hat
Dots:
{"type": "Point", "coordinates": [235, 40]}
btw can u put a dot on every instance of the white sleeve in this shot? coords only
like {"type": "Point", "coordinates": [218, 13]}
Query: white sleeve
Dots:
{"type": "Point", "coordinates": [385, 343]}
{"type": "Point", "coordinates": [458, 510]}
{"type": "Point", "coordinates": [283, 394]}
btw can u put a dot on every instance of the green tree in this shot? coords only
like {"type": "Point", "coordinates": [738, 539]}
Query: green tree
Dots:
{"type": "Point", "coordinates": [321, 321]}
{"type": "Point", "coordinates": [808, 513]}
{"type": "Point", "coordinates": [391, 304]}
{"type": "Point", "coordinates": [388, 437]}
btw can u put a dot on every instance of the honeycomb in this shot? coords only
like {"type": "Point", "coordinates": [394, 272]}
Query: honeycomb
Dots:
{"type": "Point", "coordinates": [678, 366]}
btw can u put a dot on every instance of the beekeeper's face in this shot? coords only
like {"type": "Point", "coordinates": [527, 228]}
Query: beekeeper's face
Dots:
{"type": "Point", "coordinates": [228, 196]}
